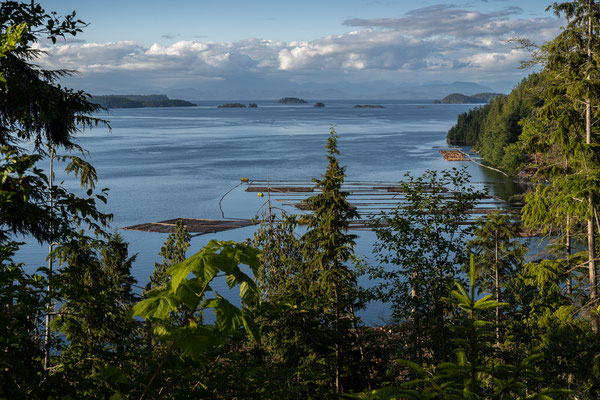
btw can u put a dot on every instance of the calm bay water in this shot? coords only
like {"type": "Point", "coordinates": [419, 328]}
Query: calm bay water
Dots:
{"type": "Point", "coordinates": [164, 163]}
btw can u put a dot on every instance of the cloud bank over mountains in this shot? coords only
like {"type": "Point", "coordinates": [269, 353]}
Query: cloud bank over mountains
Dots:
{"type": "Point", "coordinates": [437, 43]}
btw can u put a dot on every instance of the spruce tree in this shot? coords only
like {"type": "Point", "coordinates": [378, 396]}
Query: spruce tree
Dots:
{"type": "Point", "coordinates": [564, 129]}
{"type": "Point", "coordinates": [172, 252]}
{"type": "Point", "coordinates": [330, 247]}
{"type": "Point", "coordinates": [498, 254]}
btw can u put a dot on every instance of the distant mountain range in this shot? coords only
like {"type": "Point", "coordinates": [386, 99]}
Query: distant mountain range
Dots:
{"type": "Point", "coordinates": [315, 91]}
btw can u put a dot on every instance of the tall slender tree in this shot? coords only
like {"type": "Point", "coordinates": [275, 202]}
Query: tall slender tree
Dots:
{"type": "Point", "coordinates": [330, 247]}
{"type": "Point", "coordinates": [499, 255]}
{"type": "Point", "coordinates": [564, 126]}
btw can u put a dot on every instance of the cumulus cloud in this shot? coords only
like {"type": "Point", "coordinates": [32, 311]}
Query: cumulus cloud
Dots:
{"type": "Point", "coordinates": [440, 40]}
{"type": "Point", "coordinates": [450, 21]}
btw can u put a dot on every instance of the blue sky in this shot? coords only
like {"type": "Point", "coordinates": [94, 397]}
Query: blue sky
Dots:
{"type": "Point", "coordinates": [161, 45]}
{"type": "Point", "coordinates": [148, 21]}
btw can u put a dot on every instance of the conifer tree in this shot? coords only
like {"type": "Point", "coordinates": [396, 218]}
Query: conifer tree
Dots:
{"type": "Point", "coordinates": [330, 247]}
{"type": "Point", "coordinates": [564, 129]}
{"type": "Point", "coordinates": [498, 254]}
{"type": "Point", "coordinates": [172, 252]}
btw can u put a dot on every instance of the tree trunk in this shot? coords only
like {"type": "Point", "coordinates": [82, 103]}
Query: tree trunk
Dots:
{"type": "Point", "coordinates": [361, 348]}
{"type": "Point", "coordinates": [49, 306]}
{"type": "Point", "coordinates": [415, 322]}
{"type": "Point", "coordinates": [497, 289]}
{"type": "Point", "coordinates": [592, 270]}
{"type": "Point", "coordinates": [590, 221]}
{"type": "Point", "coordinates": [337, 341]}
{"type": "Point", "coordinates": [568, 251]}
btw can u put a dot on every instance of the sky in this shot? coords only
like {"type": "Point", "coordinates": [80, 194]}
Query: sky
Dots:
{"type": "Point", "coordinates": [220, 48]}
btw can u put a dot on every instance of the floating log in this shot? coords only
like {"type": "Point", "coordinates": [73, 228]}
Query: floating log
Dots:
{"type": "Point", "coordinates": [280, 189]}
{"type": "Point", "coordinates": [193, 225]}
{"type": "Point", "coordinates": [400, 189]}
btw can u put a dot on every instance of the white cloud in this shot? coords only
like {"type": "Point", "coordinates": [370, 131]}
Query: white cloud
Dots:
{"type": "Point", "coordinates": [425, 42]}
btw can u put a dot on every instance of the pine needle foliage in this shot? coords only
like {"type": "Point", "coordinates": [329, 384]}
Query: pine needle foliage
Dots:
{"type": "Point", "coordinates": [328, 247]}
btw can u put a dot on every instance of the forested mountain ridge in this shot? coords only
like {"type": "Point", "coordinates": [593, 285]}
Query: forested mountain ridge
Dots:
{"type": "Point", "coordinates": [492, 128]}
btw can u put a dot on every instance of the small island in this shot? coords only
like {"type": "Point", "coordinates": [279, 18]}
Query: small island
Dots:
{"type": "Point", "coordinates": [232, 105]}
{"type": "Point", "coordinates": [252, 105]}
{"type": "Point", "coordinates": [318, 104]}
{"type": "Point", "coordinates": [368, 106]}
{"type": "Point", "coordinates": [479, 98]}
{"type": "Point", "coordinates": [139, 101]}
{"type": "Point", "coordinates": [291, 100]}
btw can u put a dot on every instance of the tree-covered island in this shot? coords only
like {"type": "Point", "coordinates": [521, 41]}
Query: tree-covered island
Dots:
{"type": "Point", "coordinates": [479, 98]}
{"type": "Point", "coordinates": [139, 101]}
{"type": "Point", "coordinates": [291, 100]}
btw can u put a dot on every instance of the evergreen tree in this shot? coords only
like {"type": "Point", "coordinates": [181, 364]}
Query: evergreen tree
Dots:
{"type": "Point", "coordinates": [35, 110]}
{"type": "Point", "coordinates": [499, 256]}
{"type": "Point", "coordinates": [329, 247]}
{"type": "Point", "coordinates": [102, 345]}
{"type": "Point", "coordinates": [295, 335]}
{"type": "Point", "coordinates": [565, 126]}
{"type": "Point", "coordinates": [172, 252]}
{"type": "Point", "coordinates": [474, 375]}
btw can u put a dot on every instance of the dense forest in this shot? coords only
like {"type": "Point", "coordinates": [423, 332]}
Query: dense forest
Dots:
{"type": "Point", "coordinates": [472, 316]}
{"type": "Point", "coordinates": [494, 127]}
{"type": "Point", "coordinates": [479, 98]}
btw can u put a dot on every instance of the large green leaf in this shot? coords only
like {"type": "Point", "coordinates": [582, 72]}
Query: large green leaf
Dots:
{"type": "Point", "coordinates": [230, 318]}
{"type": "Point", "coordinates": [159, 306]}
{"type": "Point", "coordinates": [197, 264]}
{"type": "Point", "coordinates": [189, 291]}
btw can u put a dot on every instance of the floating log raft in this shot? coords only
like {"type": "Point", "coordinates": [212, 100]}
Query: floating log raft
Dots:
{"type": "Point", "coordinates": [280, 189]}
{"type": "Point", "coordinates": [193, 225]}
{"type": "Point", "coordinates": [372, 199]}
{"type": "Point", "coordinates": [453, 155]}
{"type": "Point", "coordinates": [400, 189]}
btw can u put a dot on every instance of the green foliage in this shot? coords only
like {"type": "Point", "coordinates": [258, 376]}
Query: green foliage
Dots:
{"type": "Point", "coordinates": [542, 319]}
{"type": "Point", "coordinates": [309, 295]}
{"type": "Point", "coordinates": [21, 302]}
{"type": "Point", "coordinates": [9, 41]}
{"type": "Point", "coordinates": [328, 248]}
{"type": "Point", "coordinates": [191, 338]}
{"type": "Point", "coordinates": [172, 252]}
{"type": "Point", "coordinates": [295, 334]}
{"type": "Point", "coordinates": [494, 128]}
{"type": "Point", "coordinates": [564, 131]}
{"type": "Point", "coordinates": [101, 343]}
{"type": "Point", "coordinates": [296, 338]}
{"type": "Point", "coordinates": [499, 255]}
{"type": "Point", "coordinates": [467, 128]}
{"type": "Point", "coordinates": [474, 375]}
{"type": "Point", "coordinates": [33, 107]}
{"type": "Point", "coordinates": [421, 247]}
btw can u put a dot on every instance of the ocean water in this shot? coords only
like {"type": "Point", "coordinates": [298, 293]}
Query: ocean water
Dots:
{"type": "Point", "coordinates": [164, 163]}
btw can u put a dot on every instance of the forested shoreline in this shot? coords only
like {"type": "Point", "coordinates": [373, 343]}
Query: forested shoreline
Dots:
{"type": "Point", "coordinates": [494, 129]}
{"type": "Point", "coordinates": [472, 316]}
